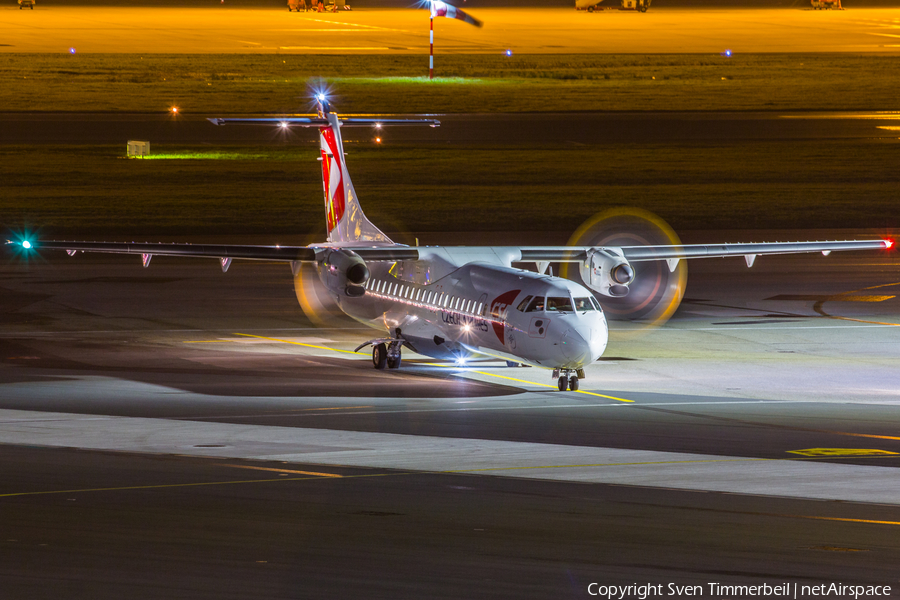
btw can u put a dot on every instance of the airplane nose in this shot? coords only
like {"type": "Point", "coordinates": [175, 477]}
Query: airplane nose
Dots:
{"type": "Point", "coordinates": [575, 348]}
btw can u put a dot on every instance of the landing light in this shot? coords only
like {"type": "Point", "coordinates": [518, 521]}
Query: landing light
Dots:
{"type": "Point", "coordinates": [27, 245]}
{"type": "Point", "coordinates": [461, 361]}
{"type": "Point", "coordinates": [320, 97]}
{"type": "Point", "coordinates": [284, 125]}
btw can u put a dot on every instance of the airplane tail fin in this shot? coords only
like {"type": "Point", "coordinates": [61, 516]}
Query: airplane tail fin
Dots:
{"type": "Point", "coordinates": [344, 218]}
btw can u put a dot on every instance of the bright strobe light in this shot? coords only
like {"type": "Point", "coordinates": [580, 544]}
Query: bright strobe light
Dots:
{"type": "Point", "coordinates": [27, 245]}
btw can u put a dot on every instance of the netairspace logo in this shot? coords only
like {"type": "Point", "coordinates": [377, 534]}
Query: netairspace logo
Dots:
{"type": "Point", "coordinates": [714, 589]}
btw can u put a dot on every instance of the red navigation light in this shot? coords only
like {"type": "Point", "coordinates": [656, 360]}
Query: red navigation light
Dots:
{"type": "Point", "coordinates": [888, 244]}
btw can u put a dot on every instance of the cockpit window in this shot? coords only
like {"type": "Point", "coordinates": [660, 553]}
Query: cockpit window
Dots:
{"type": "Point", "coordinates": [596, 304]}
{"type": "Point", "coordinates": [583, 304]}
{"type": "Point", "coordinates": [559, 304]}
{"type": "Point", "coordinates": [537, 305]}
{"type": "Point", "coordinates": [524, 303]}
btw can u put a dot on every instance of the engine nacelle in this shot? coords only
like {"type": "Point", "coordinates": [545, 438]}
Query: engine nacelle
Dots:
{"type": "Point", "coordinates": [607, 272]}
{"type": "Point", "coordinates": [343, 272]}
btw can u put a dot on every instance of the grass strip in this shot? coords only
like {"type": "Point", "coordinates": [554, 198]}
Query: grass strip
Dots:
{"type": "Point", "coordinates": [76, 191]}
{"type": "Point", "coordinates": [250, 84]}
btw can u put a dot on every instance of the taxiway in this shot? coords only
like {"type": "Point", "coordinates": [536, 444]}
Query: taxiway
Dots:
{"type": "Point", "coordinates": [745, 440]}
{"type": "Point", "coordinates": [222, 29]}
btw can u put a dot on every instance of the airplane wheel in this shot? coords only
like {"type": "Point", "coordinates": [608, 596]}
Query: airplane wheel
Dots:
{"type": "Point", "coordinates": [563, 383]}
{"type": "Point", "coordinates": [573, 384]}
{"type": "Point", "coordinates": [590, 9]}
{"type": "Point", "coordinates": [394, 363]}
{"type": "Point", "coordinates": [379, 356]}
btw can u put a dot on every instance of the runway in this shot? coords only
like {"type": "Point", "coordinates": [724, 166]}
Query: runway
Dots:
{"type": "Point", "coordinates": [760, 422]}
{"type": "Point", "coordinates": [509, 128]}
{"type": "Point", "coordinates": [222, 29]}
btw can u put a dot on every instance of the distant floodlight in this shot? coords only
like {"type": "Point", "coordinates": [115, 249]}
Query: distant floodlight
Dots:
{"type": "Point", "coordinates": [378, 141]}
{"type": "Point", "coordinates": [71, 50]}
{"type": "Point", "coordinates": [284, 124]}
{"type": "Point", "coordinates": [27, 245]}
{"type": "Point", "coordinates": [320, 97]}
{"type": "Point", "coordinates": [377, 125]}
{"type": "Point", "coordinates": [174, 110]}
{"type": "Point", "coordinates": [727, 54]}
{"type": "Point", "coordinates": [508, 52]}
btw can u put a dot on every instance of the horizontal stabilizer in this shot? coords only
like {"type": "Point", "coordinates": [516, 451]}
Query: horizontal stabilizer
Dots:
{"type": "Point", "coordinates": [321, 122]}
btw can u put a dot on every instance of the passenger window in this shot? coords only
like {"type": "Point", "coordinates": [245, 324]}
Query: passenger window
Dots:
{"type": "Point", "coordinates": [537, 305]}
{"type": "Point", "coordinates": [524, 303]}
{"type": "Point", "coordinates": [559, 304]}
{"type": "Point", "coordinates": [583, 304]}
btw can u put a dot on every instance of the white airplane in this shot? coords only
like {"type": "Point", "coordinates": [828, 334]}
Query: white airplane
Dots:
{"type": "Point", "coordinates": [454, 301]}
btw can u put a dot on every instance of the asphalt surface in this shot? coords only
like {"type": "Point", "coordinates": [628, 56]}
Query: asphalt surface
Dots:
{"type": "Point", "coordinates": [508, 128]}
{"type": "Point", "coordinates": [404, 31]}
{"type": "Point", "coordinates": [146, 409]}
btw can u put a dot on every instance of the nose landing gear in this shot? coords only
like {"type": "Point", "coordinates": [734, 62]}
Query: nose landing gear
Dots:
{"type": "Point", "coordinates": [568, 378]}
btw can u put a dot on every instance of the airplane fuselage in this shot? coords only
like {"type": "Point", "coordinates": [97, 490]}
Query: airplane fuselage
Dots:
{"type": "Point", "coordinates": [445, 309]}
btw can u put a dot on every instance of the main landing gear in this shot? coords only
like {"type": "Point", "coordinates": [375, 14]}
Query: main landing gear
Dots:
{"type": "Point", "coordinates": [385, 351]}
{"type": "Point", "coordinates": [568, 378]}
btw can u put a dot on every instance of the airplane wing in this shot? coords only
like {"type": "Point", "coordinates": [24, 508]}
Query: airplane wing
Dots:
{"type": "Point", "coordinates": [222, 252]}
{"type": "Point", "coordinates": [687, 251]}
{"type": "Point", "coordinates": [515, 254]}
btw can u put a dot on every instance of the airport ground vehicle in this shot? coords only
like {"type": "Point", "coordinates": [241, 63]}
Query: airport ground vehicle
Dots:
{"type": "Point", "coordinates": [592, 5]}
{"type": "Point", "coordinates": [24, 3]}
{"type": "Point", "coordinates": [826, 4]}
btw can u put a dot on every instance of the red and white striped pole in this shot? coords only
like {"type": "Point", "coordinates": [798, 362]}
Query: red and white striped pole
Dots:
{"type": "Point", "coordinates": [431, 46]}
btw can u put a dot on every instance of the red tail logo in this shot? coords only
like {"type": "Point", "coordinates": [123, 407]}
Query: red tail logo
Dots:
{"type": "Point", "coordinates": [499, 310]}
{"type": "Point", "coordinates": [333, 179]}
